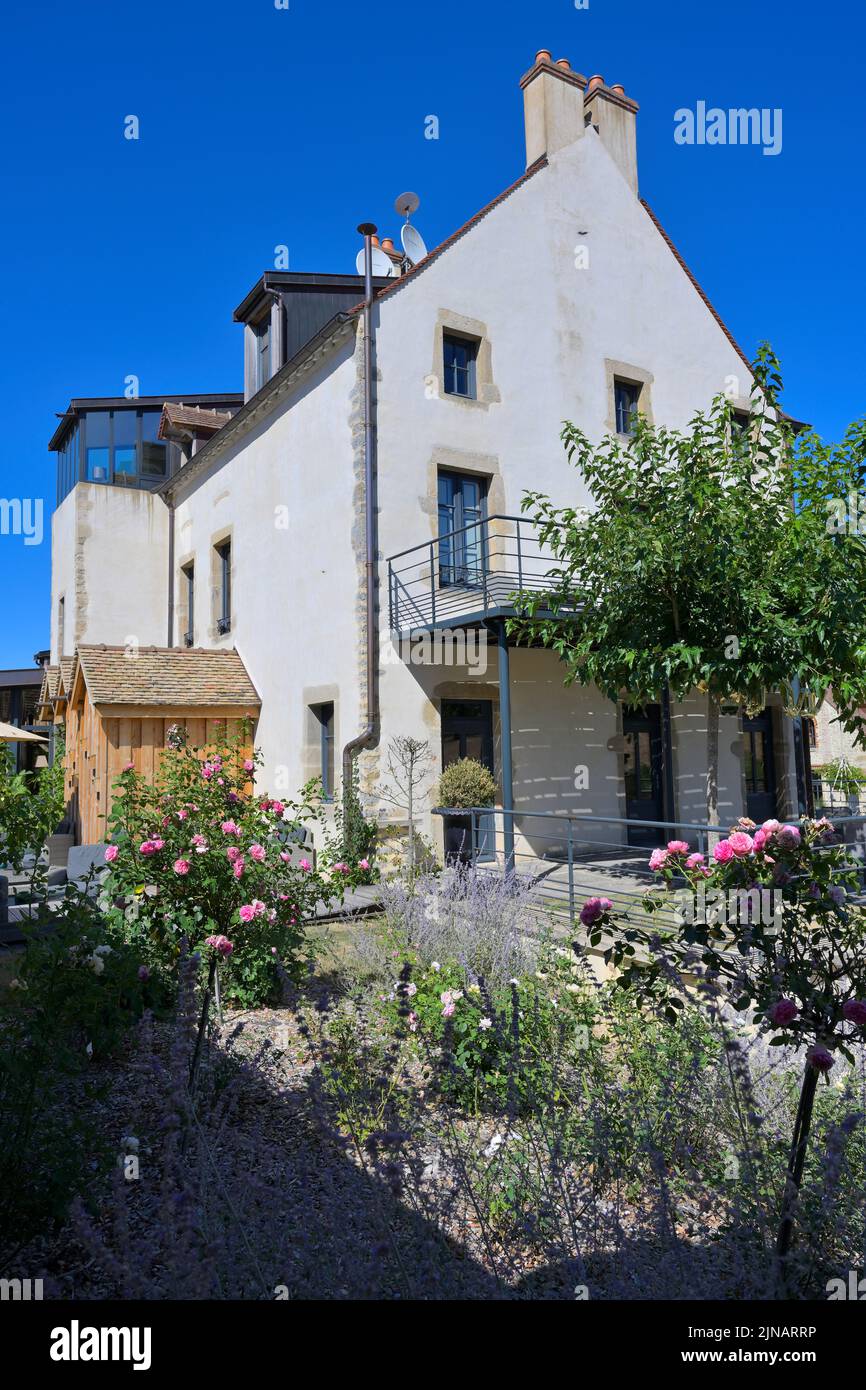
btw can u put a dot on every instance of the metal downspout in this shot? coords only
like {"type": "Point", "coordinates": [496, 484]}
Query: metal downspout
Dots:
{"type": "Point", "coordinates": [368, 732]}
{"type": "Point", "coordinates": [171, 574]}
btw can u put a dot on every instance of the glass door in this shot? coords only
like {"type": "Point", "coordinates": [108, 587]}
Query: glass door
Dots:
{"type": "Point", "coordinates": [467, 732]}
{"type": "Point", "coordinates": [644, 772]}
{"type": "Point", "coordinates": [461, 529]}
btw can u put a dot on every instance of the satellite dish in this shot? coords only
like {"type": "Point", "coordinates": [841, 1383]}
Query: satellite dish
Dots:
{"type": "Point", "coordinates": [382, 264]}
{"type": "Point", "coordinates": [413, 243]}
{"type": "Point", "coordinates": [406, 204]}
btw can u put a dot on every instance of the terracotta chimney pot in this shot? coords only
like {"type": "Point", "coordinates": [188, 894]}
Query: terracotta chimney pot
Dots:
{"type": "Point", "coordinates": [563, 63]}
{"type": "Point", "coordinates": [618, 88]}
{"type": "Point", "coordinates": [595, 81]}
{"type": "Point", "coordinates": [543, 56]}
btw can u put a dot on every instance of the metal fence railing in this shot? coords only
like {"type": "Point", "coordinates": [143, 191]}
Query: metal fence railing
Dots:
{"type": "Point", "coordinates": [568, 858]}
{"type": "Point", "coordinates": [466, 574]}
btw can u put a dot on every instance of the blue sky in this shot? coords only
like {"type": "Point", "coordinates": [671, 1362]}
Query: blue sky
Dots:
{"type": "Point", "coordinates": [261, 126]}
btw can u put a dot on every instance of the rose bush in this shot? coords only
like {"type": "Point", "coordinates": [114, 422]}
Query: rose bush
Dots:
{"type": "Point", "coordinates": [766, 924]}
{"type": "Point", "coordinates": [200, 854]}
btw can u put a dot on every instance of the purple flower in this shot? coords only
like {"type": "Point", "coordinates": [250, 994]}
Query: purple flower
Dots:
{"type": "Point", "coordinates": [818, 1057]}
{"type": "Point", "coordinates": [783, 1012]}
{"type": "Point", "coordinates": [854, 1010]}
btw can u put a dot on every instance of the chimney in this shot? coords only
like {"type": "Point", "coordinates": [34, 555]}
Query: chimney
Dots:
{"type": "Point", "coordinates": [553, 106]}
{"type": "Point", "coordinates": [613, 114]}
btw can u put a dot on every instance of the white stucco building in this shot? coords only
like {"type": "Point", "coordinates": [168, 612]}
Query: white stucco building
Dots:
{"type": "Point", "coordinates": [562, 299]}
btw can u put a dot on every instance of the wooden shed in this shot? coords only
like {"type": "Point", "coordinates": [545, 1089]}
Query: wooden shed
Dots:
{"type": "Point", "coordinates": [120, 703]}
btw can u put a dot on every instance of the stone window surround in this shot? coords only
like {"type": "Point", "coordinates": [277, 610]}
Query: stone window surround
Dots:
{"type": "Point", "coordinates": [225, 533]}
{"type": "Point", "coordinates": [460, 326]}
{"type": "Point", "coordinates": [636, 376]}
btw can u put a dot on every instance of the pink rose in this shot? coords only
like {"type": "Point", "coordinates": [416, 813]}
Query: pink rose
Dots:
{"type": "Point", "coordinates": [448, 1010]}
{"type": "Point", "coordinates": [199, 841]}
{"type": "Point", "coordinates": [723, 852]}
{"type": "Point", "coordinates": [305, 865]}
{"type": "Point", "coordinates": [111, 854]}
{"type": "Point", "coordinates": [364, 864]}
{"type": "Point", "coordinates": [759, 839]}
{"type": "Point", "coordinates": [694, 861]}
{"type": "Point", "coordinates": [819, 1058]}
{"type": "Point", "coordinates": [221, 944]}
{"type": "Point", "coordinates": [247, 912]}
{"type": "Point", "coordinates": [341, 868]}
{"type": "Point", "coordinates": [228, 827]}
{"type": "Point", "coordinates": [789, 838]}
{"type": "Point", "coordinates": [677, 847]}
{"type": "Point", "coordinates": [783, 1012]}
{"type": "Point", "coordinates": [770, 827]}
{"type": "Point", "coordinates": [593, 909]}
{"type": "Point", "coordinates": [129, 767]}
{"type": "Point", "coordinates": [238, 867]}
{"type": "Point", "coordinates": [277, 807]}
{"type": "Point", "coordinates": [854, 1010]}
{"type": "Point", "coordinates": [740, 843]}
{"type": "Point", "coordinates": [285, 856]}
{"type": "Point", "coordinates": [182, 815]}
{"type": "Point", "coordinates": [257, 852]}
{"type": "Point", "coordinates": [181, 866]}
{"type": "Point", "coordinates": [148, 847]}
{"type": "Point", "coordinates": [233, 853]}
{"type": "Point", "coordinates": [207, 772]}
{"type": "Point", "coordinates": [249, 765]}
{"type": "Point", "coordinates": [658, 859]}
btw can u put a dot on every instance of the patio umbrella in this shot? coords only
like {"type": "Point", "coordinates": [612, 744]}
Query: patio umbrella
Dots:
{"type": "Point", "coordinates": [9, 734]}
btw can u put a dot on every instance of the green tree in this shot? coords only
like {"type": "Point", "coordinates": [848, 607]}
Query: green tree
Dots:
{"type": "Point", "coordinates": [715, 559]}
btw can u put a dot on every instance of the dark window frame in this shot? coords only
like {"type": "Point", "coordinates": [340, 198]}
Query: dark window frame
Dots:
{"type": "Point", "coordinates": [224, 617]}
{"type": "Point", "coordinates": [625, 424]}
{"type": "Point", "coordinates": [188, 572]}
{"type": "Point", "coordinates": [465, 373]}
{"type": "Point", "coordinates": [324, 714]}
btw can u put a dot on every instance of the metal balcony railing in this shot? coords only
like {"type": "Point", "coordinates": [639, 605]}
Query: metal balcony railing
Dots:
{"type": "Point", "coordinates": [466, 575]}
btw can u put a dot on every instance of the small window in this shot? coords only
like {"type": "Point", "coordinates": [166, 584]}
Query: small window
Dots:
{"type": "Point", "coordinates": [61, 626]}
{"type": "Point", "coordinates": [262, 331]}
{"type": "Point", "coordinates": [460, 356]}
{"type": "Point", "coordinates": [188, 573]}
{"type": "Point", "coordinates": [224, 614]}
{"type": "Point", "coordinates": [740, 423]}
{"type": "Point", "coordinates": [324, 716]}
{"type": "Point", "coordinates": [626, 396]}
{"type": "Point", "coordinates": [812, 731]}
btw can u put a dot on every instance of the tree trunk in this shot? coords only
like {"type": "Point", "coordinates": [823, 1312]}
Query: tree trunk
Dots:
{"type": "Point", "coordinates": [712, 760]}
{"type": "Point", "coordinates": [797, 1159]}
{"type": "Point", "coordinates": [411, 810]}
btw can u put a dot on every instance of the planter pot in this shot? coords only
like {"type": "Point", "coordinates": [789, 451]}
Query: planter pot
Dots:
{"type": "Point", "coordinates": [459, 844]}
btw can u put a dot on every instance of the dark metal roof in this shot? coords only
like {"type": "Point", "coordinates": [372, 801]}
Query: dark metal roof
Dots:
{"type": "Point", "coordinates": [80, 403]}
{"type": "Point", "coordinates": [294, 282]}
{"type": "Point", "coordinates": [32, 675]}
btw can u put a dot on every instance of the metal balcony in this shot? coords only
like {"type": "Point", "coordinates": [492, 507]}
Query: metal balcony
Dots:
{"type": "Point", "coordinates": [467, 575]}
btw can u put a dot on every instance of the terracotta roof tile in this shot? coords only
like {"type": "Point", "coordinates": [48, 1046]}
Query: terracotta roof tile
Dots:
{"type": "Point", "coordinates": [177, 676]}
{"type": "Point", "coordinates": [190, 419]}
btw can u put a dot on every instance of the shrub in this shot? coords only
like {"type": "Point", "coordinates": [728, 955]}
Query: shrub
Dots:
{"type": "Point", "coordinates": [466, 784]}
{"type": "Point", "coordinates": [790, 954]}
{"type": "Point", "coordinates": [78, 990]}
{"type": "Point", "coordinates": [482, 922]}
{"type": "Point", "coordinates": [201, 854]}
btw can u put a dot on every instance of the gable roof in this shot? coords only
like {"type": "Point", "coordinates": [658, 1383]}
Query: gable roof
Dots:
{"type": "Point", "coordinates": [716, 315]}
{"type": "Point", "coordinates": [170, 676]}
